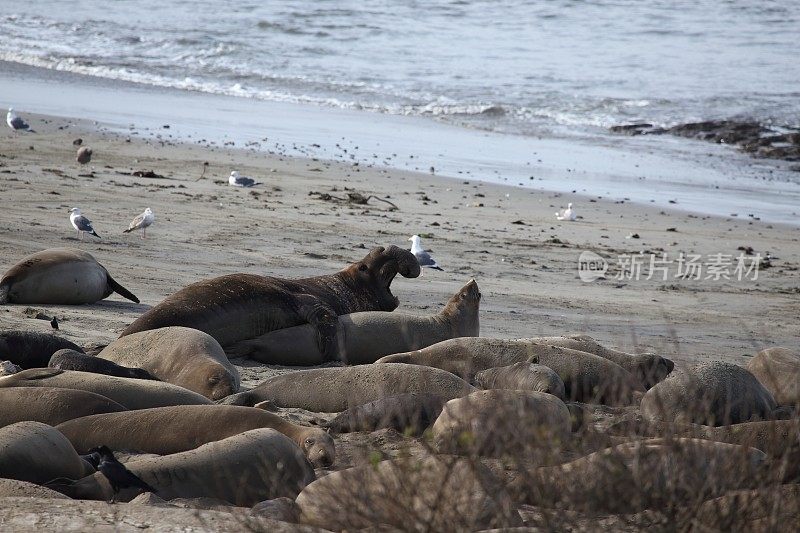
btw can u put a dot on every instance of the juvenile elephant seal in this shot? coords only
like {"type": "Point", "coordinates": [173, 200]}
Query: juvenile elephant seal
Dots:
{"type": "Point", "coordinates": [130, 393]}
{"type": "Point", "coordinates": [244, 306]}
{"type": "Point", "coordinates": [243, 469]}
{"type": "Point", "coordinates": [36, 452]}
{"type": "Point", "coordinates": [778, 369]}
{"type": "Point", "coordinates": [332, 390]}
{"type": "Point", "coordinates": [59, 276]}
{"type": "Point", "coordinates": [410, 412]}
{"type": "Point", "coordinates": [712, 394]}
{"type": "Point", "coordinates": [362, 338]}
{"type": "Point", "coordinates": [30, 349]}
{"type": "Point", "coordinates": [522, 376]}
{"type": "Point", "coordinates": [166, 430]}
{"type": "Point", "coordinates": [182, 356]}
{"type": "Point", "coordinates": [649, 368]}
{"type": "Point", "coordinates": [51, 405]}
{"type": "Point", "coordinates": [72, 360]}
{"type": "Point", "coordinates": [499, 422]}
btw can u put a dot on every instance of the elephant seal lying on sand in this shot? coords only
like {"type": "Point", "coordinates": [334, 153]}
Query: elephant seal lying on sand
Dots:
{"type": "Point", "coordinates": [244, 306]}
{"type": "Point", "coordinates": [59, 276]}
{"type": "Point", "coordinates": [362, 338]}
{"type": "Point", "coordinates": [522, 376]}
{"type": "Point", "coordinates": [165, 430]}
{"type": "Point", "coordinates": [130, 393]}
{"type": "Point", "coordinates": [72, 360]}
{"type": "Point", "coordinates": [31, 349]}
{"type": "Point", "coordinates": [778, 369]}
{"type": "Point", "coordinates": [36, 452]}
{"type": "Point", "coordinates": [405, 412]}
{"type": "Point", "coordinates": [332, 390]}
{"type": "Point", "coordinates": [51, 405]}
{"type": "Point", "coordinates": [182, 356]}
{"type": "Point", "coordinates": [713, 394]}
{"type": "Point", "coordinates": [244, 469]}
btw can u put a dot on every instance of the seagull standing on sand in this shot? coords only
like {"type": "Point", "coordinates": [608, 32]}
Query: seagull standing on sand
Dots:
{"type": "Point", "coordinates": [142, 222]}
{"type": "Point", "coordinates": [16, 123]}
{"type": "Point", "coordinates": [569, 214]}
{"type": "Point", "coordinates": [423, 258]}
{"type": "Point", "coordinates": [240, 181]}
{"type": "Point", "coordinates": [81, 223]}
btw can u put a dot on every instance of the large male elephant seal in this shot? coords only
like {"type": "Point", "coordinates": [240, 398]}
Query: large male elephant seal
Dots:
{"type": "Point", "coordinates": [59, 276]}
{"type": "Point", "coordinates": [36, 452]}
{"type": "Point", "coordinates": [16, 488]}
{"type": "Point", "coordinates": [130, 393]}
{"type": "Point", "coordinates": [778, 369]}
{"type": "Point", "coordinates": [712, 394]}
{"type": "Point", "coordinates": [182, 356]}
{"type": "Point", "coordinates": [409, 412]}
{"type": "Point", "coordinates": [31, 349]}
{"type": "Point", "coordinates": [522, 376]}
{"type": "Point", "coordinates": [51, 405]}
{"type": "Point", "coordinates": [243, 306]}
{"type": "Point", "coordinates": [362, 338]}
{"type": "Point", "coordinates": [165, 430]}
{"type": "Point", "coordinates": [243, 469]}
{"type": "Point", "coordinates": [332, 390]}
{"type": "Point", "coordinates": [72, 360]}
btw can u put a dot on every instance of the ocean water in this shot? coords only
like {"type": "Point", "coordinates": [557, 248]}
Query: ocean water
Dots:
{"type": "Point", "coordinates": [551, 68]}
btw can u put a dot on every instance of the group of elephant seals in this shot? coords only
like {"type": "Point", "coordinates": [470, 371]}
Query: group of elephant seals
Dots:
{"type": "Point", "coordinates": [30, 349]}
{"type": "Point", "coordinates": [410, 413]}
{"type": "Point", "coordinates": [778, 369]}
{"type": "Point", "coordinates": [332, 390]}
{"type": "Point", "coordinates": [71, 360]}
{"type": "Point", "coordinates": [129, 393]}
{"type": "Point", "coordinates": [243, 470]}
{"type": "Point", "coordinates": [59, 276]}
{"type": "Point", "coordinates": [51, 405]}
{"type": "Point", "coordinates": [713, 394]}
{"type": "Point", "coordinates": [362, 338]}
{"type": "Point", "coordinates": [522, 376]}
{"type": "Point", "coordinates": [167, 430]}
{"type": "Point", "coordinates": [244, 306]}
{"type": "Point", "coordinates": [182, 356]}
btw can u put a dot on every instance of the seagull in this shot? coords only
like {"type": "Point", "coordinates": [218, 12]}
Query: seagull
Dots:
{"type": "Point", "coordinates": [568, 214]}
{"type": "Point", "coordinates": [81, 223]}
{"type": "Point", "coordinates": [423, 258]}
{"type": "Point", "coordinates": [142, 222]}
{"type": "Point", "coordinates": [240, 181]}
{"type": "Point", "coordinates": [16, 123]}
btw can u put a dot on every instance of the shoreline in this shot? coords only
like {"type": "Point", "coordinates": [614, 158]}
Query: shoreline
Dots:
{"type": "Point", "coordinates": [526, 271]}
{"type": "Point", "coordinates": [668, 173]}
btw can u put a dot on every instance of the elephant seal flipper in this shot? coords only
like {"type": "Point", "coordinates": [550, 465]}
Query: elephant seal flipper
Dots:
{"type": "Point", "coordinates": [119, 289]}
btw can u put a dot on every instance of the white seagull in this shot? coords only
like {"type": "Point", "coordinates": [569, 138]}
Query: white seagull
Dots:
{"type": "Point", "coordinates": [568, 214]}
{"type": "Point", "coordinates": [142, 222]}
{"type": "Point", "coordinates": [16, 123]}
{"type": "Point", "coordinates": [423, 258]}
{"type": "Point", "coordinates": [81, 223]}
{"type": "Point", "coordinates": [240, 181]}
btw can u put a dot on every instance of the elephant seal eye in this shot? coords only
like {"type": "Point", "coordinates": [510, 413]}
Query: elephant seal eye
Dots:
{"type": "Point", "coordinates": [309, 441]}
{"type": "Point", "coordinates": [362, 267]}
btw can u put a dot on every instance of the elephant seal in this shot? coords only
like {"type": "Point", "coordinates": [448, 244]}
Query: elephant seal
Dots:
{"type": "Point", "coordinates": [72, 360]}
{"type": "Point", "coordinates": [639, 475]}
{"type": "Point", "coordinates": [500, 422]}
{"type": "Point", "coordinates": [522, 376]}
{"type": "Point", "coordinates": [165, 430]}
{"type": "Point", "coordinates": [362, 338]}
{"type": "Point", "coordinates": [332, 390]}
{"type": "Point", "coordinates": [243, 306]}
{"type": "Point", "coordinates": [649, 368]}
{"type": "Point", "coordinates": [51, 405]}
{"type": "Point", "coordinates": [31, 349]}
{"type": "Point", "coordinates": [764, 509]}
{"type": "Point", "coordinates": [778, 369]}
{"type": "Point", "coordinates": [407, 413]}
{"type": "Point", "coordinates": [129, 393]}
{"type": "Point", "coordinates": [243, 469]}
{"type": "Point", "coordinates": [587, 378]}
{"type": "Point", "coordinates": [713, 394]}
{"type": "Point", "coordinates": [36, 452]}
{"type": "Point", "coordinates": [14, 487]}
{"type": "Point", "coordinates": [182, 356]}
{"type": "Point", "coordinates": [433, 493]}
{"type": "Point", "coordinates": [59, 276]}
